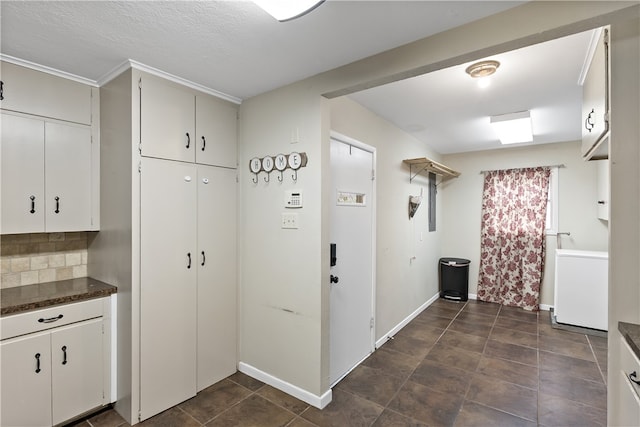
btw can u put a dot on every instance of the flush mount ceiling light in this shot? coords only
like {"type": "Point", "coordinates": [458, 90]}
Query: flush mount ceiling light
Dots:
{"type": "Point", "coordinates": [513, 128]}
{"type": "Point", "coordinates": [482, 70]}
{"type": "Point", "coordinates": [286, 10]}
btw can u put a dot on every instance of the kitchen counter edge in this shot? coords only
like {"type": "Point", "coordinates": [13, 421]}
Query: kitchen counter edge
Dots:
{"type": "Point", "coordinates": [631, 333]}
{"type": "Point", "coordinates": [21, 299]}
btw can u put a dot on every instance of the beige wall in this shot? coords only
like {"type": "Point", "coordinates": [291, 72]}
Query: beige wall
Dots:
{"type": "Point", "coordinates": [289, 271]}
{"type": "Point", "coordinates": [402, 283]}
{"type": "Point", "coordinates": [577, 203]}
{"type": "Point", "coordinates": [281, 290]}
{"type": "Point", "coordinates": [624, 152]}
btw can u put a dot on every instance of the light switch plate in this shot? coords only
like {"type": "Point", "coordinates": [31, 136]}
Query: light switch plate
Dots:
{"type": "Point", "coordinates": [290, 220]}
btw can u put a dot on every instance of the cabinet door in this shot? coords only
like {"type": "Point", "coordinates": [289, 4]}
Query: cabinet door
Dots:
{"type": "Point", "coordinates": [628, 411]}
{"type": "Point", "coordinates": [216, 123]}
{"type": "Point", "coordinates": [216, 274]}
{"type": "Point", "coordinates": [603, 189]}
{"type": "Point", "coordinates": [23, 203]}
{"type": "Point", "coordinates": [41, 94]}
{"type": "Point", "coordinates": [76, 369]}
{"type": "Point", "coordinates": [595, 103]}
{"type": "Point", "coordinates": [168, 284]}
{"type": "Point", "coordinates": [26, 380]}
{"type": "Point", "coordinates": [68, 177]}
{"type": "Point", "coordinates": [167, 120]}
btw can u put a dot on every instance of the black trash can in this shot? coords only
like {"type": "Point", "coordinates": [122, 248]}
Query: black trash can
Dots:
{"type": "Point", "coordinates": [454, 278]}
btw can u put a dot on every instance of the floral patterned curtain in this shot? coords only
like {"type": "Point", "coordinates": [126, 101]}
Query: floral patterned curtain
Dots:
{"type": "Point", "coordinates": [514, 205]}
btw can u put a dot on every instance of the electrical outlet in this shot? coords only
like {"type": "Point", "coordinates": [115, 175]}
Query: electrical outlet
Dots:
{"type": "Point", "coordinates": [290, 220]}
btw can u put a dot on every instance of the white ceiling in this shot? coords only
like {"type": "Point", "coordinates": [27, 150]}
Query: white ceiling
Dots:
{"type": "Point", "coordinates": [233, 47]}
{"type": "Point", "coordinates": [449, 111]}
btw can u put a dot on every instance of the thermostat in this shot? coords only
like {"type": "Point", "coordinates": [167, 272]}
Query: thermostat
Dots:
{"type": "Point", "coordinates": [293, 199]}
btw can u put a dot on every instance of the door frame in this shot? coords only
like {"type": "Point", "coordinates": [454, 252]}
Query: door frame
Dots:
{"type": "Point", "coordinates": [370, 149]}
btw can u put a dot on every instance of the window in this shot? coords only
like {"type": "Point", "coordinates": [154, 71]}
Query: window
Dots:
{"type": "Point", "coordinates": [551, 225]}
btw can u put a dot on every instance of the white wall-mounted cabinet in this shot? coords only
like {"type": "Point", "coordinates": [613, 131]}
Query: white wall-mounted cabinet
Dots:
{"type": "Point", "coordinates": [595, 102]}
{"type": "Point", "coordinates": [50, 153]}
{"type": "Point", "coordinates": [176, 274]}
{"type": "Point", "coordinates": [34, 92]}
{"type": "Point", "coordinates": [46, 176]}
{"type": "Point", "coordinates": [178, 124]}
{"type": "Point", "coordinates": [51, 373]}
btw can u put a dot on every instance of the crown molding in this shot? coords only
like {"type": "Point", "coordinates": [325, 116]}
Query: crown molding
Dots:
{"type": "Point", "coordinates": [130, 63]}
{"type": "Point", "coordinates": [48, 70]}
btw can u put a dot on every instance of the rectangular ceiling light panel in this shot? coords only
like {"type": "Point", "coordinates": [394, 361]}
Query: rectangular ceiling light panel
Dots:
{"type": "Point", "coordinates": [513, 128]}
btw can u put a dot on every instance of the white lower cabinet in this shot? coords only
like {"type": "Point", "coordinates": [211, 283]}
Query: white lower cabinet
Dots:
{"type": "Point", "coordinates": [603, 191]}
{"type": "Point", "coordinates": [51, 376]}
{"type": "Point", "coordinates": [76, 369]}
{"type": "Point", "coordinates": [627, 410]}
{"type": "Point", "coordinates": [26, 380]}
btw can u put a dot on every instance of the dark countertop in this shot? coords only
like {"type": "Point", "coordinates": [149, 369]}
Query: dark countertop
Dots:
{"type": "Point", "coordinates": [631, 333]}
{"type": "Point", "coordinates": [32, 297]}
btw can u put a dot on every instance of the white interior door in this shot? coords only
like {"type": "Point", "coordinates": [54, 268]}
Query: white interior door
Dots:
{"type": "Point", "coordinates": [351, 298]}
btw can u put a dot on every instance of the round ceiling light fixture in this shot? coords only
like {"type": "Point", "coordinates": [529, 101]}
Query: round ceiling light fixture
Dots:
{"type": "Point", "coordinates": [482, 69]}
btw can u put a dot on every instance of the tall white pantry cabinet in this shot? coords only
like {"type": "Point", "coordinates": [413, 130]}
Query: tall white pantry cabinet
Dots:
{"type": "Point", "coordinates": [169, 238]}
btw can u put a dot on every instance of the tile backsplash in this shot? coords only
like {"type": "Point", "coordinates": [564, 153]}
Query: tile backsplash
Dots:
{"type": "Point", "coordinates": [28, 259]}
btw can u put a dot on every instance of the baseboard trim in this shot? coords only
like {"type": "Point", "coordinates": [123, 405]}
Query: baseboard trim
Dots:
{"type": "Point", "coordinates": [314, 400]}
{"type": "Point", "coordinates": [404, 322]}
{"type": "Point", "coordinates": [543, 307]}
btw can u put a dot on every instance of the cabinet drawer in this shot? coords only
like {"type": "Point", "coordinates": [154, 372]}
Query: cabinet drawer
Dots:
{"type": "Point", "coordinates": [34, 321]}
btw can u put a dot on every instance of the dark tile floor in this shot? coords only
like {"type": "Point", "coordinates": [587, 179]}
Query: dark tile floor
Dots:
{"type": "Point", "coordinates": [456, 364]}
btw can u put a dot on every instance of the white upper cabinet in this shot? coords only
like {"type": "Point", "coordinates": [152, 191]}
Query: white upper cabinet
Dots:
{"type": "Point", "coordinates": [68, 178]}
{"type": "Point", "coordinates": [50, 152]}
{"type": "Point", "coordinates": [167, 120]}
{"type": "Point", "coordinates": [28, 91]}
{"type": "Point", "coordinates": [22, 174]}
{"type": "Point", "coordinates": [178, 123]}
{"type": "Point", "coordinates": [216, 123]}
{"type": "Point", "coordinates": [595, 102]}
{"type": "Point", "coordinates": [46, 176]}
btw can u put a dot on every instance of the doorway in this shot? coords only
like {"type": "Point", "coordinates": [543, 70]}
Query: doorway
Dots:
{"type": "Point", "coordinates": [352, 272]}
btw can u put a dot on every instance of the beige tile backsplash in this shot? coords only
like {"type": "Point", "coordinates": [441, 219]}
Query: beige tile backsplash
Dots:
{"type": "Point", "coordinates": [28, 259]}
